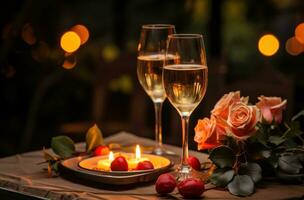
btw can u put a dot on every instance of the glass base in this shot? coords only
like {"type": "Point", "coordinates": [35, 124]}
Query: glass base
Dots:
{"type": "Point", "coordinates": [183, 172]}
{"type": "Point", "coordinates": [162, 151]}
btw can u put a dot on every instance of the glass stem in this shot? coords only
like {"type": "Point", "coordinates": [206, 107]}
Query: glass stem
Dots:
{"type": "Point", "coordinates": [185, 128]}
{"type": "Point", "coordinates": [158, 123]}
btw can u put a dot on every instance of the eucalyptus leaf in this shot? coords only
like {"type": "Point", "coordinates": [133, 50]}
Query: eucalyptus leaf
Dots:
{"type": "Point", "coordinates": [262, 133]}
{"type": "Point", "coordinates": [289, 178]}
{"type": "Point", "coordinates": [94, 138]}
{"type": "Point", "coordinates": [257, 151]}
{"type": "Point", "coordinates": [290, 143]}
{"type": "Point", "coordinates": [290, 164]}
{"type": "Point", "coordinates": [241, 185]}
{"type": "Point", "coordinates": [221, 177]}
{"type": "Point", "coordinates": [232, 143]}
{"type": "Point", "coordinates": [253, 170]}
{"type": "Point", "coordinates": [273, 161]}
{"type": "Point", "coordinates": [295, 129]}
{"type": "Point", "coordinates": [276, 140]}
{"type": "Point", "coordinates": [63, 146]}
{"type": "Point", "coordinates": [301, 113]}
{"type": "Point", "coordinates": [222, 156]}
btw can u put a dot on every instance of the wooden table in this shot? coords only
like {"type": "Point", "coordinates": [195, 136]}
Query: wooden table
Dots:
{"type": "Point", "coordinates": [22, 178]}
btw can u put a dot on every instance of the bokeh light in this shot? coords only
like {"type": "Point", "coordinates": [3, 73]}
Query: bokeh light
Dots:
{"type": "Point", "coordinates": [268, 45]}
{"type": "Point", "coordinates": [28, 35]}
{"type": "Point", "coordinates": [110, 52]}
{"type": "Point", "coordinates": [299, 33]}
{"type": "Point", "coordinates": [82, 32]}
{"type": "Point", "coordinates": [70, 41]}
{"type": "Point", "coordinates": [69, 62]}
{"type": "Point", "coordinates": [293, 46]}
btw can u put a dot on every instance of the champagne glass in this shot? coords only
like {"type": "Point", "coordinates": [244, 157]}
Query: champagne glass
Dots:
{"type": "Point", "coordinates": [185, 83]}
{"type": "Point", "coordinates": [150, 61]}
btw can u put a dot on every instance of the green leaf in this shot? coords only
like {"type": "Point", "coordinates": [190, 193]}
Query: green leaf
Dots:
{"type": "Point", "coordinates": [221, 177]}
{"type": "Point", "coordinates": [241, 185]}
{"type": "Point", "coordinates": [55, 167]}
{"type": "Point", "coordinates": [257, 151]}
{"type": "Point", "coordinates": [290, 164]}
{"type": "Point", "coordinates": [222, 156]}
{"type": "Point", "coordinates": [290, 178]}
{"type": "Point", "coordinates": [63, 146]}
{"type": "Point", "coordinates": [297, 115]}
{"type": "Point", "coordinates": [276, 140]}
{"type": "Point", "coordinates": [232, 143]}
{"type": "Point", "coordinates": [273, 161]}
{"type": "Point", "coordinates": [290, 143]}
{"type": "Point", "coordinates": [93, 138]}
{"type": "Point", "coordinates": [253, 170]}
{"type": "Point", "coordinates": [262, 134]}
{"type": "Point", "coordinates": [295, 129]}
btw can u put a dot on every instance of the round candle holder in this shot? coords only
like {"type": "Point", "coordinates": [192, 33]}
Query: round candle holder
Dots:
{"type": "Point", "coordinates": [85, 168]}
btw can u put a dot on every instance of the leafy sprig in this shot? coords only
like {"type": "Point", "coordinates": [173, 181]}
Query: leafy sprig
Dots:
{"type": "Point", "coordinates": [64, 147]}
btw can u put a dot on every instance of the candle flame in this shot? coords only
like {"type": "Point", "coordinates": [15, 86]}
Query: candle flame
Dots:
{"type": "Point", "coordinates": [137, 152]}
{"type": "Point", "coordinates": [111, 156]}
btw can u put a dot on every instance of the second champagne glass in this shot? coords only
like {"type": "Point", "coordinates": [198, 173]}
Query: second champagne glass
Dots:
{"type": "Point", "coordinates": [185, 83]}
{"type": "Point", "coordinates": [150, 61]}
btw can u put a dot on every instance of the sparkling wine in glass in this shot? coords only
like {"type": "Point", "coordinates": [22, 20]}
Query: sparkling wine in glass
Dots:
{"type": "Point", "coordinates": [185, 83]}
{"type": "Point", "coordinates": [150, 62]}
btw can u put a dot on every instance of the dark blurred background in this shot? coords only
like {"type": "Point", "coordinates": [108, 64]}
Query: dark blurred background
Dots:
{"type": "Point", "coordinates": [45, 91]}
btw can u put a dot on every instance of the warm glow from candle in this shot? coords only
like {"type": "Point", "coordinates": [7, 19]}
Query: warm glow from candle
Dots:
{"type": "Point", "coordinates": [111, 156]}
{"type": "Point", "coordinates": [137, 152]}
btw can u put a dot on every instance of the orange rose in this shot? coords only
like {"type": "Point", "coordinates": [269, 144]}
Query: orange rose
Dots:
{"type": "Point", "coordinates": [271, 108]}
{"type": "Point", "coordinates": [221, 108]}
{"type": "Point", "coordinates": [207, 133]}
{"type": "Point", "coordinates": [242, 119]}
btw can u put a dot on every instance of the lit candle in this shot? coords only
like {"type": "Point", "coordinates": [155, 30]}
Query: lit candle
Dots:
{"type": "Point", "coordinates": [105, 164]}
{"type": "Point", "coordinates": [132, 162]}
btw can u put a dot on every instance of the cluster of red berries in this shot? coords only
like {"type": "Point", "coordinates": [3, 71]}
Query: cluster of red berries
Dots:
{"type": "Point", "coordinates": [120, 163]}
{"type": "Point", "coordinates": [188, 188]}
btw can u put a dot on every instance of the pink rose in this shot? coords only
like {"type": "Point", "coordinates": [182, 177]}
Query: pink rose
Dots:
{"type": "Point", "coordinates": [271, 108]}
{"type": "Point", "coordinates": [242, 119]}
{"type": "Point", "coordinates": [221, 108]}
{"type": "Point", "coordinates": [208, 132]}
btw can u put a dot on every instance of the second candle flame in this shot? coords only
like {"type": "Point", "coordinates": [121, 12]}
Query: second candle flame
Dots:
{"type": "Point", "coordinates": [137, 152]}
{"type": "Point", "coordinates": [111, 156]}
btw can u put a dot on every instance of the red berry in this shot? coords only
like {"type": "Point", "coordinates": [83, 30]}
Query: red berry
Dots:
{"type": "Point", "coordinates": [165, 184]}
{"type": "Point", "coordinates": [191, 188]}
{"type": "Point", "coordinates": [101, 150]}
{"type": "Point", "coordinates": [144, 165]}
{"type": "Point", "coordinates": [119, 164]}
{"type": "Point", "coordinates": [194, 163]}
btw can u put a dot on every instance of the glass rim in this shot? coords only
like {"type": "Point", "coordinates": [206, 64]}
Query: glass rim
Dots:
{"type": "Point", "coordinates": [186, 36]}
{"type": "Point", "coordinates": [157, 26]}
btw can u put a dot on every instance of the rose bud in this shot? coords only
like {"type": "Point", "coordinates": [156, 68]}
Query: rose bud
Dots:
{"type": "Point", "coordinates": [119, 164]}
{"type": "Point", "coordinates": [194, 163]}
{"type": "Point", "coordinates": [101, 150]}
{"type": "Point", "coordinates": [144, 165]}
{"type": "Point", "coordinates": [165, 184]}
{"type": "Point", "coordinates": [191, 188]}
